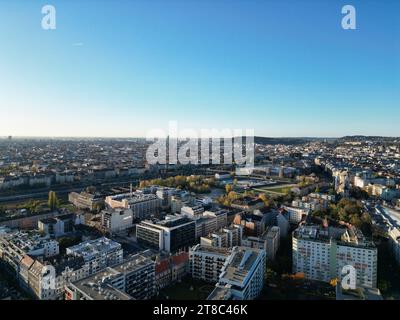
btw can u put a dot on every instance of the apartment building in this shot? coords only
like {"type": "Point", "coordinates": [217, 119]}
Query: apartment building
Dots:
{"type": "Point", "coordinates": [15, 245]}
{"type": "Point", "coordinates": [220, 215]}
{"type": "Point", "coordinates": [296, 214]}
{"type": "Point", "coordinates": [194, 211]}
{"type": "Point", "coordinates": [268, 241]}
{"type": "Point", "coordinates": [116, 220]}
{"type": "Point", "coordinates": [99, 253]}
{"type": "Point", "coordinates": [59, 225]}
{"type": "Point", "coordinates": [86, 200]}
{"type": "Point", "coordinates": [181, 199]}
{"type": "Point", "coordinates": [170, 269]}
{"type": "Point", "coordinates": [142, 205]}
{"type": "Point", "coordinates": [321, 253]}
{"type": "Point", "coordinates": [254, 224]}
{"type": "Point", "coordinates": [133, 278]}
{"type": "Point", "coordinates": [242, 275]}
{"type": "Point", "coordinates": [206, 262]}
{"type": "Point", "coordinates": [227, 237]}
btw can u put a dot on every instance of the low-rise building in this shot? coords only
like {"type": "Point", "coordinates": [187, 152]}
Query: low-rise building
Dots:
{"type": "Point", "coordinates": [86, 200]}
{"type": "Point", "coordinates": [59, 225]}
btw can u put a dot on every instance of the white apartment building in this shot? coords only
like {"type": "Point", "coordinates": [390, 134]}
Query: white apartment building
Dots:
{"type": "Point", "coordinates": [227, 237]}
{"type": "Point", "coordinates": [142, 205]}
{"type": "Point", "coordinates": [99, 253]}
{"type": "Point", "coordinates": [193, 212]}
{"type": "Point", "coordinates": [206, 262]}
{"type": "Point", "coordinates": [116, 220]}
{"type": "Point", "coordinates": [220, 215]}
{"type": "Point", "coordinates": [15, 245]}
{"type": "Point", "coordinates": [242, 274]}
{"type": "Point", "coordinates": [296, 214]}
{"type": "Point", "coordinates": [133, 278]}
{"type": "Point", "coordinates": [205, 225]}
{"type": "Point", "coordinates": [321, 253]}
{"type": "Point", "coordinates": [312, 205]}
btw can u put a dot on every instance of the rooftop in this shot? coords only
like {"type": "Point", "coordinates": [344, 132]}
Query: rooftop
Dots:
{"type": "Point", "coordinates": [90, 249]}
{"type": "Point", "coordinates": [240, 265]}
{"type": "Point", "coordinates": [97, 288]}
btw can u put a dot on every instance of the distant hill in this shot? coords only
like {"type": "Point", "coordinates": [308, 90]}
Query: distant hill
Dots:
{"type": "Point", "coordinates": [287, 141]}
{"type": "Point", "coordinates": [367, 138]}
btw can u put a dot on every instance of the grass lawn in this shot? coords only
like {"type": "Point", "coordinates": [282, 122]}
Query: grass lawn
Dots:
{"type": "Point", "coordinates": [182, 290]}
{"type": "Point", "coordinates": [282, 190]}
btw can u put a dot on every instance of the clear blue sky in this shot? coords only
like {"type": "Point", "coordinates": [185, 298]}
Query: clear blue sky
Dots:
{"type": "Point", "coordinates": [119, 68]}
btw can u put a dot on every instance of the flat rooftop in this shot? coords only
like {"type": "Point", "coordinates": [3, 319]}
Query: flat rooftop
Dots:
{"type": "Point", "coordinates": [96, 287]}
{"type": "Point", "coordinates": [240, 265]}
{"type": "Point", "coordinates": [210, 249]}
{"type": "Point", "coordinates": [92, 248]}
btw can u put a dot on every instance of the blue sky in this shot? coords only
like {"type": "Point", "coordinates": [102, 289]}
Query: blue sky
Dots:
{"type": "Point", "coordinates": [120, 68]}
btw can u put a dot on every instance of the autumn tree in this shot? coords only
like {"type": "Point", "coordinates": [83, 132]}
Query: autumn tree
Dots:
{"type": "Point", "coordinates": [53, 201]}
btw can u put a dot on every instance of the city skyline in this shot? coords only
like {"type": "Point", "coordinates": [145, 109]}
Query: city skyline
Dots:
{"type": "Point", "coordinates": [284, 69]}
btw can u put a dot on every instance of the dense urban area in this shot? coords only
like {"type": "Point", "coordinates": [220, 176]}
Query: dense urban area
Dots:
{"type": "Point", "coordinates": [91, 219]}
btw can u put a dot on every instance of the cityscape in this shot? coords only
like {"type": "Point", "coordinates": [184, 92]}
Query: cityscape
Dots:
{"type": "Point", "coordinates": [281, 183]}
{"type": "Point", "coordinates": [92, 220]}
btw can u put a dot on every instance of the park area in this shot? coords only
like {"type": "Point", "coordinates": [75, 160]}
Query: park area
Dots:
{"type": "Point", "coordinates": [276, 190]}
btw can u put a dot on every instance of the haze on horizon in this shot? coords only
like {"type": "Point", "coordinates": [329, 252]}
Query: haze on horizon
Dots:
{"type": "Point", "coordinates": [283, 68]}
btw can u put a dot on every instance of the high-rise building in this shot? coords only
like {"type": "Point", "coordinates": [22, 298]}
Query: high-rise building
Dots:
{"type": "Point", "coordinates": [322, 252]}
